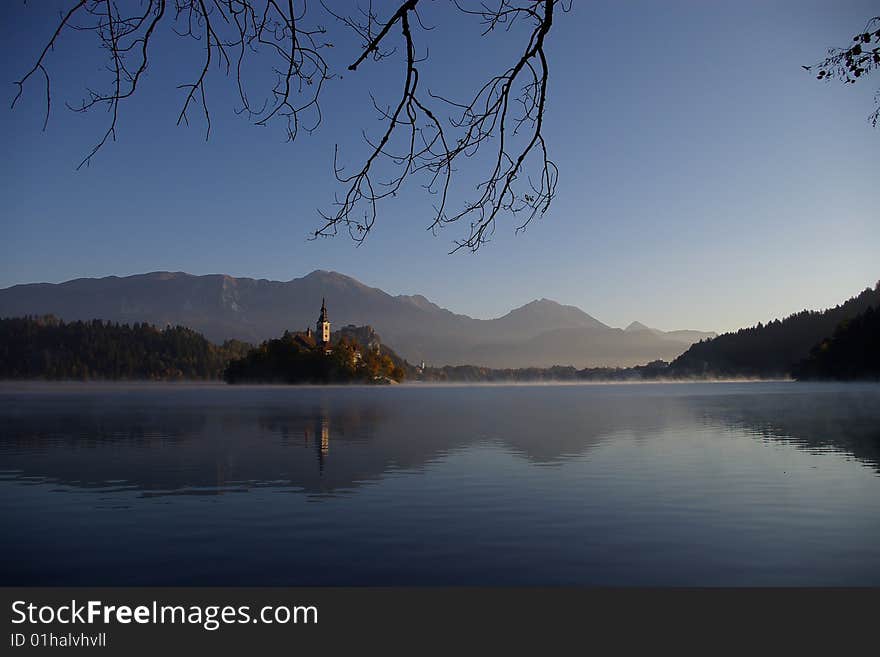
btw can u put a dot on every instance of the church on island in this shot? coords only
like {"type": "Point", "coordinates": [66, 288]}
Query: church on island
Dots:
{"type": "Point", "coordinates": [321, 336]}
{"type": "Point", "coordinates": [352, 353]}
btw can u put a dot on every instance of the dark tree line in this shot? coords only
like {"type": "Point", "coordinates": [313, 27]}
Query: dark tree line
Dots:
{"type": "Point", "coordinates": [48, 348]}
{"type": "Point", "coordinates": [556, 374]}
{"type": "Point", "coordinates": [772, 349]}
{"type": "Point", "coordinates": [852, 353]}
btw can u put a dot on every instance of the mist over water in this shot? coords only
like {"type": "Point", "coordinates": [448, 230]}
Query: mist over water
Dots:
{"type": "Point", "coordinates": [669, 484]}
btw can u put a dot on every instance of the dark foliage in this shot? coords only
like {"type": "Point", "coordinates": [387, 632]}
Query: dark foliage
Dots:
{"type": "Point", "coordinates": [769, 350]}
{"type": "Point", "coordinates": [295, 358]}
{"type": "Point", "coordinates": [477, 374]}
{"type": "Point", "coordinates": [852, 353]}
{"type": "Point", "coordinates": [855, 61]}
{"type": "Point", "coordinates": [48, 348]}
{"type": "Point", "coordinates": [560, 374]}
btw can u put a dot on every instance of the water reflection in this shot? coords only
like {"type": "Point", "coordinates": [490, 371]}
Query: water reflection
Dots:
{"type": "Point", "coordinates": [649, 484]}
{"type": "Point", "coordinates": [825, 417]}
{"type": "Point", "coordinates": [208, 441]}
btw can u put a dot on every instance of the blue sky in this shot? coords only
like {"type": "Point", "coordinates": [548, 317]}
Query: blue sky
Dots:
{"type": "Point", "coordinates": [706, 180]}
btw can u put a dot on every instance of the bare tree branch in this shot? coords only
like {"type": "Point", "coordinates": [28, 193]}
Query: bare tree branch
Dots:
{"type": "Point", "coordinates": [424, 134]}
{"type": "Point", "coordinates": [850, 64]}
{"type": "Point", "coordinates": [508, 110]}
{"type": "Point", "coordinates": [38, 66]}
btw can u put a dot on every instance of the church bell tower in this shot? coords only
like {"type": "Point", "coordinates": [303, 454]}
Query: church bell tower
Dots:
{"type": "Point", "coordinates": [323, 325]}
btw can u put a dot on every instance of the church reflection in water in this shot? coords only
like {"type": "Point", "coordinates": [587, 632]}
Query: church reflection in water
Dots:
{"type": "Point", "coordinates": [164, 442]}
{"type": "Point", "coordinates": [319, 433]}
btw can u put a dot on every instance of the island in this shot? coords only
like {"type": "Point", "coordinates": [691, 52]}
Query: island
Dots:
{"type": "Point", "coordinates": [354, 354]}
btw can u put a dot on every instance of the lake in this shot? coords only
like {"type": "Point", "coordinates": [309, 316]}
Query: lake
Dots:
{"type": "Point", "coordinates": [733, 484]}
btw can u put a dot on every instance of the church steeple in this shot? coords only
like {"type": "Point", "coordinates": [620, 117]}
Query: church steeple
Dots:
{"type": "Point", "coordinates": [323, 325]}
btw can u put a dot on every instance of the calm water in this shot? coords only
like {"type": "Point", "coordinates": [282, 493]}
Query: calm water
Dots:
{"type": "Point", "coordinates": [703, 484]}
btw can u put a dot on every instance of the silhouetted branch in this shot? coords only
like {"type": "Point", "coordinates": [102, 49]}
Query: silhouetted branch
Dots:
{"type": "Point", "coordinates": [38, 66]}
{"type": "Point", "coordinates": [125, 31]}
{"type": "Point", "coordinates": [508, 110]}
{"type": "Point", "coordinates": [425, 134]}
{"type": "Point", "coordinates": [850, 64]}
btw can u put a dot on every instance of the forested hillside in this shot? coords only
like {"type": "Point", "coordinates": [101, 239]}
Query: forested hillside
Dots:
{"type": "Point", "coordinates": [852, 353]}
{"type": "Point", "coordinates": [773, 349]}
{"type": "Point", "coordinates": [48, 348]}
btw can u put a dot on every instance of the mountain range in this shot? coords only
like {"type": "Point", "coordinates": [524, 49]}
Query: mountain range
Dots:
{"type": "Point", "coordinates": [539, 334]}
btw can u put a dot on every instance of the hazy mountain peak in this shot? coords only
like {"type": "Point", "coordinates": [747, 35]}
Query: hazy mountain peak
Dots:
{"type": "Point", "coordinates": [157, 275]}
{"type": "Point", "coordinates": [419, 301]}
{"type": "Point", "coordinates": [552, 313]}
{"type": "Point", "coordinates": [638, 326]}
{"type": "Point", "coordinates": [331, 280]}
{"type": "Point", "coordinates": [543, 302]}
{"type": "Point", "coordinates": [326, 274]}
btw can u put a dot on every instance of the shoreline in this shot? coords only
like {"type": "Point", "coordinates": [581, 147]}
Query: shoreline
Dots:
{"type": "Point", "coordinates": [37, 385]}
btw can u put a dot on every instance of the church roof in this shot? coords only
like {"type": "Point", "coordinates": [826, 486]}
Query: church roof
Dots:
{"type": "Point", "coordinates": [305, 340]}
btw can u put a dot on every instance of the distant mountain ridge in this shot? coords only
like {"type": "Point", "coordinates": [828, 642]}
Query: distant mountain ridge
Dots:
{"type": "Point", "coordinates": [540, 333]}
